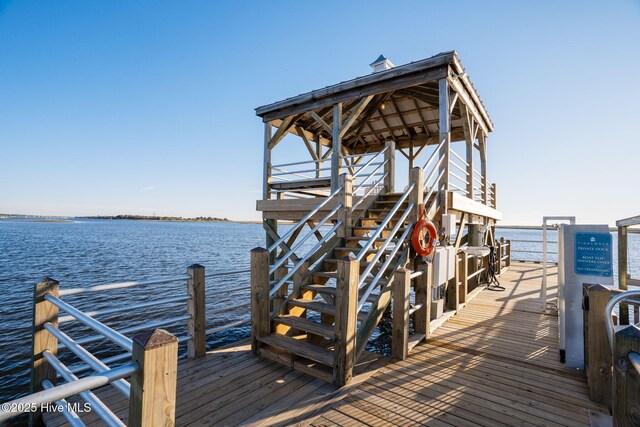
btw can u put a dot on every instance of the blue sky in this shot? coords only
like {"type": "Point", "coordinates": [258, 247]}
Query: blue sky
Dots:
{"type": "Point", "coordinates": [148, 107]}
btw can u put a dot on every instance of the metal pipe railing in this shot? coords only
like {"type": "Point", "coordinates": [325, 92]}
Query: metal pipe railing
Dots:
{"type": "Point", "coordinates": [608, 312]}
{"type": "Point", "coordinates": [228, 291]}
{"type": "Point", "coordinates": [634, 358]}
{"type": "Point", "coordinates": [384, 245]}
{"type": "Point", "coordinates": [121, 285]}
{"type": "Point", "coordinates": [145, 304]}
{"type": "Point", "coordinates": [317, 246]}
{"type": "Point", "coordinates": [459, 157]}
{"type": "Point", "coordinates": [97, 405]}
{"type": "Point", "coordinates": [92, 323]}
{"type": "Point", "coordinates": [83, 354]}
{"type": "Point", "coordinates": [298, 173]}
{"type": "Point", "coordinates": [431, 174]}
{"type": "Point", "coordinates": [390, 215]}
{"type": "Point", "coordinates": [361, 168]}
{"type": "Point", "coordinates": [433, 155]}
{"type": "Point", "coordinates": [36, 400]}
{"type": "Point", "coordinates": [138, 328]}
{"type": "Point", "coordinates": [371, 175]}
{"type": "Point", "coordinates": [303, 221]}
{"type": "Point", "coordinates": [287, 256]}
{"type": "Point", "coordinates": [69, 414]}
{"type": "Point", "coordinates": [368, 192]}
{"type": "Point", "coordinates": [227, 309]}
{"type": "Point", "coordinates": [217, 273]}
{"type": "Point", "coordinates": [376, 279]}
{"type": "Point", "coordinates": [305, 162]}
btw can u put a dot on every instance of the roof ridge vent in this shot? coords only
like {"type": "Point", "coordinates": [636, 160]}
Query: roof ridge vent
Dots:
{"type": "Point", "coordinates": [381, 64]}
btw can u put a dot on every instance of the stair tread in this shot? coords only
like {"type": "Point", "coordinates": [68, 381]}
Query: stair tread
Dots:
{"type": "Point", "coordinates": [331, 290]}
{"type": "Point", "coordinates": [334, 275]}
{"type": "Point", "coordinates": [307, 325]}
{"type": "Point", "coordinates": [360, 227]}
{"type": "Point", "coordinates": [363, 262]}
{"type": "Point", "coordinates": [300, 348]}
{"type": "Point", "coordinates": [370, 250]}
{"type": "Point", "coordinates": [322, 307]}
{"type": "Point", "coordinates": [361, 238]}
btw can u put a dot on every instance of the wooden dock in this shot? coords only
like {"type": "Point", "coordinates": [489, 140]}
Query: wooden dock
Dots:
{"type": "Point", "coordinates": [494, 363]}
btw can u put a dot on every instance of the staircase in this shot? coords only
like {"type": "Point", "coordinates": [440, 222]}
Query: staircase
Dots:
{"type": "Point", "coordinates": [303, 328]}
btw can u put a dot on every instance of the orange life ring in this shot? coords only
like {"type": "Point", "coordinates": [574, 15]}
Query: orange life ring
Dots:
{"type": "Point", "coordinates": [422, 246]}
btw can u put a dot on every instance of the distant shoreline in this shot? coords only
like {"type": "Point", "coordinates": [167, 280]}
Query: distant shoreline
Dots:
{"type": "Point", "coordinates": [539, 227]}
{"type": "Point", "coordinates": [156, 218]}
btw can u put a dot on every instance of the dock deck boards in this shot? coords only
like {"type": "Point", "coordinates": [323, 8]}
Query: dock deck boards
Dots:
{"type": "Point", "coordinates": [494, 363]}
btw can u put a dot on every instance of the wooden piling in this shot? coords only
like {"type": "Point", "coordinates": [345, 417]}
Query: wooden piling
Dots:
{"type": "Point", "coordinates": [626, 380]}
{"type": "Point", "coordinates": [597, 348]}
{"type": "Point", "coordinates": [346, 306]}
{"type": "Point", "coordinates": [260, 300]}
{"type": "Point", "coordinates": [152, 401]}
{"type": "Point", "coordinates": [423, 285]}
{"type": "Point", "coordinates": [400, 326]}
{"type": "Point", "coordinates": [463, 274]}
{"type": "Point", "coordinates": [43, 312]}
{"type": "Point", "coordinates": [197, 345]}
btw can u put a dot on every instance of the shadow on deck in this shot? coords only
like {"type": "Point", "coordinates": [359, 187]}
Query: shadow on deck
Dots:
{"type": "Point", "coordinates": [494, 363]}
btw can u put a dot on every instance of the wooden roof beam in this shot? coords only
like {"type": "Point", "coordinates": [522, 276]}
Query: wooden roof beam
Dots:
{"type": "Point", "coordinates": [354, 114]}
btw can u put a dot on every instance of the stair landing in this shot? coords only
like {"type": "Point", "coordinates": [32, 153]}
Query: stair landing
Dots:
{"type": "Point", "coordinates": [494, 363]}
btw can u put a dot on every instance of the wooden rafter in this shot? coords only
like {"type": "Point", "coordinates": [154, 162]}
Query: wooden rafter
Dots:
{"type": "Point", "coordinates": [373, 107]}
{"type": "Point", "coordinates": [355, 112]}
{"type": "Point", "coordinates": [321, 122]}
{"type": "Point", "coordinates": [282, 130]}
{"type": "Point", "coordinates": [307, 143]}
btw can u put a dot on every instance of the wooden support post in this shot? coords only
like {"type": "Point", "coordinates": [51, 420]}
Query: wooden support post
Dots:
{"type": "Point", "coordinates": [346, 198]}
{"type": "Point", "coordinates": [468, 138]}
{"type": "Point", "coordinates": [271, 226]}
{"type": "Point", "coordinates": [463, 273]}
{"type": "Point", "coordinates": [260, 300]}
{"type": "Point", "coordinates": [337, 145]}
{"type": "Point", "coordinates": [389, 167]}
{"type": "Point", "coordinates": [482, 143]}
{"type": "Point", "coordinates": [597, 348]}
{"type": "Point", "coordinates": [417, 194]}
{"type": "Point", "coordinates": [266, 167]}
{"type": "Point", "coordinates": [345, 323]}
{"type": "Point", "coordinates": [626, 380]}
{"type": "Point", "coordinates": [423, 288]}
{"type": "Point", "coordinates": [152, 401]}
{"type": "Point", "coordinates": [494, 196]}
{"type": "Point", "coordinates": [43, 312]}
{"type": "Point", "coordinates": [400, 327]}
{"type": "Point", "coordinates": [509, 253]}
{"type": "Point", "coordinates": [445, 134]}
{"type": "Point", "coordinates": [197, 345]}
{"type": "Point", "coordinates": [623, 274]}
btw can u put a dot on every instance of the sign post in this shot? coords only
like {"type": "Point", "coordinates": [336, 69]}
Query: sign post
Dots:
{"type": "Point", "coordinates": [585, 256]}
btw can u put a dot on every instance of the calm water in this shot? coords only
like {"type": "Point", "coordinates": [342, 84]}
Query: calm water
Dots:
{"type": "Point", "coordinates": [91, 252]}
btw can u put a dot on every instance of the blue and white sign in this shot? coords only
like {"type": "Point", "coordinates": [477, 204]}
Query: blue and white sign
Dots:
{"type": "Point", "coordinates": [593, 254]}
